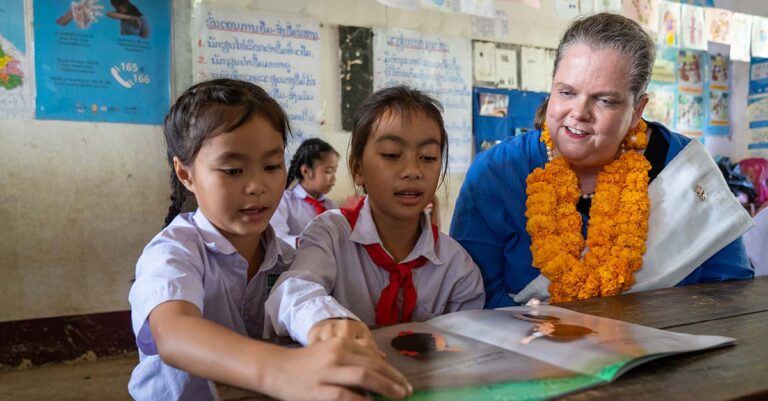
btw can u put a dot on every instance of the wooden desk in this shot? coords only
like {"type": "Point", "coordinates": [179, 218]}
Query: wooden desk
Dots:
{"type": "Point", "coordinates": [736, 309]}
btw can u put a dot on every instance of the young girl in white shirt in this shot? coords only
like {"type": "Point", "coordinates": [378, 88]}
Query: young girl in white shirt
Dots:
{"type": "Point", "coordinates": [314, 166]}
{"type": "Point", "coordinates": [351, 264]}
{"type": "Point", "coordinates": [197, 303]}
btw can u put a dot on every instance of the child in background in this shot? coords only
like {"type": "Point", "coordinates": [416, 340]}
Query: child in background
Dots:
{"type": "Point", "coordinates": [314, 166]}
{"type": "Point", "coordinates": [352, 264]}
{"type": "Point", "coordinates": [202, 281]}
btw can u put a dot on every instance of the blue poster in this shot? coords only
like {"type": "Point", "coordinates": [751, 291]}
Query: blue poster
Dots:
{"type": "Point", "coordinates": [105, 61]}
{"type": "Point", "coordinates": [701, 3]}
{"type": "Point", "coordinates": [718, 95]}
{"type": "Point", "coordinates": [758, 76]}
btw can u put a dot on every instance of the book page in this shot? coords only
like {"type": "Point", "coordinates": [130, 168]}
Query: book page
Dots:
{"type": "Point", "coordinates": [448, 367]}
{"type": "Point", "coordinates": [587, 344]}
{"type": "Point", "coordinates": [432, 358]}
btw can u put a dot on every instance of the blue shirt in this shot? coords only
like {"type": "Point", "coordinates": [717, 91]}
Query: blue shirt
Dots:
{"type": "Point", "coordinates": [191, 260]}
{"type": "Point", "coordinates": [489, 219]}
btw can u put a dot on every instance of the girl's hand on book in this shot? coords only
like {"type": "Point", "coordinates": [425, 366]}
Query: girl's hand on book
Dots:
{"type": "Point", "coordinates": [335, 369]}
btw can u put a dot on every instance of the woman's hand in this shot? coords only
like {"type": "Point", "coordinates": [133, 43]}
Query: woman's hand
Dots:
{"type": "Point", "coordinates": [345, 328]}
{"type": "Point", "coordinates": [334, 369]}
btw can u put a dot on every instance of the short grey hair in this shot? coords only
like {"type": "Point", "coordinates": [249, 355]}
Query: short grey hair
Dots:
{"type": "Point", "coordinates": [613, 31]}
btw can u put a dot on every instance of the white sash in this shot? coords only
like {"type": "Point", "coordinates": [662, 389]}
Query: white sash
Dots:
{"type": "Point", "coordinates": [684, 230]}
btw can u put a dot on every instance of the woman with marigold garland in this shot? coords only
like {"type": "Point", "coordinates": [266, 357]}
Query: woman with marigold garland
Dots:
{"type": "Point", "coordinates": [598, 202]}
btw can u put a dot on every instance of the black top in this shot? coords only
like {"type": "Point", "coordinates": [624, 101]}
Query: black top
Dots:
{"type": "Point", "coordinates": [655, 152]}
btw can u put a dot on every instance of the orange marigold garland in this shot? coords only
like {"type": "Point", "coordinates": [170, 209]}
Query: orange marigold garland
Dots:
{"type": "Point", "coordinates": [618, 223]}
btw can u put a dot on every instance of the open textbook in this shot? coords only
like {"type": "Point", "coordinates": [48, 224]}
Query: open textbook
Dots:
{"type": "Point", "coordinates": [524, 352]}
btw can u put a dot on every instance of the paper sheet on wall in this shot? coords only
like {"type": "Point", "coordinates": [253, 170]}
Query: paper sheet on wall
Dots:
{"type": "Point", "coordinates": [404, 4]}
{"type": "Point", "coordinates": [94, 64]}
{"type": "Point", "coordinates": [690, 108]}
{"type": "Point", "coordinates": [607, 6]}
{"type": "Point", "coordinates": [645, 12]}
{"type": "Point", "coordinates": [491, 28]}
{"type": "Point", "coordinates": [692, 32]}
{"type": "Point", "coordinates": [437, 5]}
{"type": "Point", "coordinates": [530, 3]}
{"type": "Point", "coordinates": [663, 89]}
{"type": "Point", "coordinates": [506, 68]}
{"type": "Point", "coordinates": [549, 60]}
{"type": "Point", "coordinates": [741, 34]}
{"type": "Point", "coordinates": [758, 77]}
{"type": "Point", "coordinates": [718, 109]}
{"type": "Point", "coordinates": [16, 99]}
{"type": "Point", "coordinates": [280, 54]}
{"type": "Point", "coordinates": [481, 8]}
{"type": "Point", "coordinates": [759, 37]}
{"type": "Point", "coordinates": [690, 71]}
{"type": "Point", "coordinates": [484, 61]}
{"type": "Point", "coordinates": [567, 9]}
{"type": "Point", "coordinates": [587, 7]}
{"type": "Point", "coordinates": [669, 24]}
{"type": "Point", "coordinates": [661, 105]}
{"type": "Point", "coordinates": [533, 69]}
{"type": "Point", "coordinates": [757, 115]}
{"type": "Point", "coordinates": [438, 65]}
{"type": "Point", "coordinates": [718, 23]}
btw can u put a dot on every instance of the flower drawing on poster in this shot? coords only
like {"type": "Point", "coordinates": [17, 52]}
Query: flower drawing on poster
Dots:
{"type": "Point", "coordinates": [11, 75]}
{"type": "Point", "coordinates": [718, 24]}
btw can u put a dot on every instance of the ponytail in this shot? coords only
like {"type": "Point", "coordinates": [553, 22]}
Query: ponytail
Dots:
{"type": "Point", "coordinates": [307, 154]}
{"type": "Point", "coordinates": [179, 194]}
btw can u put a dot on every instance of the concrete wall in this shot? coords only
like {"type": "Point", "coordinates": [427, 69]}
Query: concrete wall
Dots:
{"type": "Point", "coordinates": [78, 201]}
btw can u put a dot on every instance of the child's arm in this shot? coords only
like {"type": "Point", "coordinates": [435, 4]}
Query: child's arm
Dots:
{"type": "Point", "coordinates": [326, 370]}
{"type": "Point", "coordinates": [302, 296]}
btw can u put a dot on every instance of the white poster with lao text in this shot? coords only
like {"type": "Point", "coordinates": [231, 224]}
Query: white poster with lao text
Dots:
{"type": "Point", "coordinates": [279, 54]}
{"type": "Point", "coordinates": [441, 66]}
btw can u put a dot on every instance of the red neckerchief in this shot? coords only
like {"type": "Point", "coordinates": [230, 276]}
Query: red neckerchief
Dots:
{"type": "Point", "coordinates": [317, 204]}
{"type": "Point", "coordinates": [400, 275]}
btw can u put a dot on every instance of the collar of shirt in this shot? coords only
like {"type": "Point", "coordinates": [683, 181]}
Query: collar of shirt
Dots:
{"type": "Point", "coordinates": [365, 233]}
{"type": "Point", "coordinates": [217, 243]}
{"type": "Point", "coordinates": [302, 193]}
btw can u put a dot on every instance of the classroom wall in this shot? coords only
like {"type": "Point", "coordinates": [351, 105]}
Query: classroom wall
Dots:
{"type": "Point", "coordinates": [78, 201]}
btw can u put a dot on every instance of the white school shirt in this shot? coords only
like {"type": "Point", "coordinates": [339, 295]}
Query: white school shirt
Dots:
{"type": "Point", "coordinates": [756, 242]}
{"type": "Point", "coordinates": [294, 214]}
{"type": "Point", "coordinates": [333, 276]}
{"type": "Point", "coordinates": [191, 261]}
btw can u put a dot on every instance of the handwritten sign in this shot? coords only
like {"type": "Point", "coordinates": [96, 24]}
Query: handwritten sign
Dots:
{"type": "Point", "coordinates": [438, 65]}
{"type": "Point", "coordinates": [281, 55]}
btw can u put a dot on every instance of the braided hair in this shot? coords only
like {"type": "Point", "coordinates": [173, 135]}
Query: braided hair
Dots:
{"type": "Point", "coordinates": [209, 109]}
{"type": "Point", "coordinates": [307, 154]}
